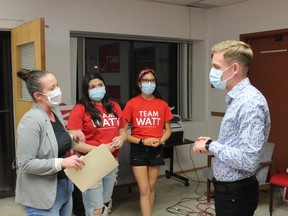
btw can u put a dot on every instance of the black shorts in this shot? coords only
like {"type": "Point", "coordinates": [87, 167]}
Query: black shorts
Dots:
{"type": "Point", "coordinates": [146, 155]}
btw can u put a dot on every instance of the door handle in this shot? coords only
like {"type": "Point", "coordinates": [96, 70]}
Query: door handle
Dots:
{"type": "Point", "coordinates": [4, 111]}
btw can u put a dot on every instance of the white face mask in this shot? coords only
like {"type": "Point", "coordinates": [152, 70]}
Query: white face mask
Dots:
{"type": "Point", "coordinates": [54, 97]}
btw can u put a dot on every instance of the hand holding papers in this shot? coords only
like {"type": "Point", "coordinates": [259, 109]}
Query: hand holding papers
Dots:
{"type": "Point", "coordinates": [98, 163]}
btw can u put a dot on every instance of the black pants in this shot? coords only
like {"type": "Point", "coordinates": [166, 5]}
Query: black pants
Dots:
{"type": "Point", "coordinates": [237, 202]}
{"type": "Point", "coordinates": [78, 206]}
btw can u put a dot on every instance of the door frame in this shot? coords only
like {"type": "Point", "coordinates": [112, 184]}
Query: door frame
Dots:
{"type": "Point", "coordinates": [7, 138]}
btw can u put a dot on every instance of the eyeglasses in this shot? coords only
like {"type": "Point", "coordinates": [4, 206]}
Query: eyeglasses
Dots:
{"type": "Point", "coordinates": [148, 80]}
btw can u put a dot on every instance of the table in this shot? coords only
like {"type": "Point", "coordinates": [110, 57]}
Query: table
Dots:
{"type": "Point", "coordinates": [169, 153]}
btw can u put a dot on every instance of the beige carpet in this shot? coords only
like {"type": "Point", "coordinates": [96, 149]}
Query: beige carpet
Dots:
{"type": "Point", "coordinates": [169, 193]}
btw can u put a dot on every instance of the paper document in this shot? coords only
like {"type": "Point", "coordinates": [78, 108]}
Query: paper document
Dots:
{"type": "Point", "coordinates": [98, 163]}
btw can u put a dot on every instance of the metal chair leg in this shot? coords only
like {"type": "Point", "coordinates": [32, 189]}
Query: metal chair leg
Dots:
{"type": "Point", "coordinates": [208, 190]}
{"type": "Point", "coordinates": [271, 199]}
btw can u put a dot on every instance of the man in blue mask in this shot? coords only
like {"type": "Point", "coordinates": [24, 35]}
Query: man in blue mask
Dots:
{"type": "Point", "coordinates": [244, 130]}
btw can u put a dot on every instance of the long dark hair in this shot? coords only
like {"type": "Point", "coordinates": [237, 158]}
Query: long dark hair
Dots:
{"type": "Point", "coordinates": [143, 72]}
{"type": "Point", "coordinates": [88, 103]}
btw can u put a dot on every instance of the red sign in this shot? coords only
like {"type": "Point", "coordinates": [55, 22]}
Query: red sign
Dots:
{"type": "Point", "coordinates": [109, 58]}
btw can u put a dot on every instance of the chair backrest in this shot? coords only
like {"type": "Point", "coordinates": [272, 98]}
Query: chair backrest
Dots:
{"type": "Point", "coordinates": [261, 171]}
{"type": "Point", "coordinates": [65, 110]}
{"type": "Point", "coordinates": [266, 155]}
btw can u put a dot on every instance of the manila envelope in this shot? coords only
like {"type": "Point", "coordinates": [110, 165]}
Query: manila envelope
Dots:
{"type": "Point", "coordinates": [98, 163]}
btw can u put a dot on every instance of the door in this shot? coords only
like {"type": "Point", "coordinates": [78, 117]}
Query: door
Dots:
{"type": "Point", "coordinates": [12, 109]}
{"type": "Point", "coordinates": [7, 175]}
{"type": "Point", "coordinates": [28, 51]}
{"type": "Point", "coordinates": [269, 74]}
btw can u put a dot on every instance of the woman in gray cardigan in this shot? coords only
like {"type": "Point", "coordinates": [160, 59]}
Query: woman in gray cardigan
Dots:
{"type": "Point", "coordinates": [42, 186]}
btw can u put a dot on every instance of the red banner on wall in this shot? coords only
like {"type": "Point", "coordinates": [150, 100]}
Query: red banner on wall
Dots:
{"type": "Point", "coordinates": [109, 58]}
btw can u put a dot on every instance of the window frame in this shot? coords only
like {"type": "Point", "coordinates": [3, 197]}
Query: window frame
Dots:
{"type": "Point", "coordinates": [183, 69]}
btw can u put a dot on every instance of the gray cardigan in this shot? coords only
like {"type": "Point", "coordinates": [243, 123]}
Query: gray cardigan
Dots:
{"type": "Point", "coordinates": [36, 183]}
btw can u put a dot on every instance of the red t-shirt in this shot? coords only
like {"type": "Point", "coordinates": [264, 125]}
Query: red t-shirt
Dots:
{"type": "Point", "coordinates": [147, 117]}
{"type": "Point", "coordinates": [81, 120]}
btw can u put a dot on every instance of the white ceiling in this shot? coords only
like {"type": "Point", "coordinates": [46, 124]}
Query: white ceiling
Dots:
{"type": "Point", "coordinates": [206, 4]}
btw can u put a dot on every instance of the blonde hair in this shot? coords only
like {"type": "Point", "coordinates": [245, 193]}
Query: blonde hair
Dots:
{"type": "Point", "coordinates": [234, 51]}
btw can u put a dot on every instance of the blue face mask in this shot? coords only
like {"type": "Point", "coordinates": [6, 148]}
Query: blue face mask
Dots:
{"type": "Point", "coordinates": [97, 94]}
{"type": "Point", "coordinates": [148, 88]}
{"type": "Point", "coordinates": [215, 78]}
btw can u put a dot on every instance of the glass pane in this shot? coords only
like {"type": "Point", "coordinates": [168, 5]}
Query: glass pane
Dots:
{"type": "Point", "coordinates": [111, 59]}
{"type": "Point", "coordinates": [27, 62]}
{"type": "Point", "coordinates": [119, 62]}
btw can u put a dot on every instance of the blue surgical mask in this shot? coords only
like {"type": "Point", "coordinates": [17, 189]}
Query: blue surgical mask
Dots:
{"type": "Point", "coordinates": [97, 94]}
{"type": "Point", "coordinates": [148, 88]}
{"type": "Point", "coordinates": [215, 78]}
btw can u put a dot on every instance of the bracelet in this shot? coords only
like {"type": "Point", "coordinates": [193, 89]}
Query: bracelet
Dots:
{"type": "Point", "coordinates": [74, 143]}
{"type": "Point", "coordinates": [72, 136]}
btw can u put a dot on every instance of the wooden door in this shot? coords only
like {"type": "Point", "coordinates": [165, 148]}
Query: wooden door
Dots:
{"type": "Point", "coordinates": [269, 74]}
{"type": "Point", "coordinates": [28, 51]}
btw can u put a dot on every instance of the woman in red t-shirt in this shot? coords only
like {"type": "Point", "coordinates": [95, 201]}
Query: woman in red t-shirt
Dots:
{"type": "Point", "coordinates": [100, 119]}
{"type": "Point", "coordinates": [150, 117]}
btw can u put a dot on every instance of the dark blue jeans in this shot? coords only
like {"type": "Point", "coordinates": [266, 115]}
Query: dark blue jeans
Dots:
{"type": "Point", "coordinates": [240, 202]}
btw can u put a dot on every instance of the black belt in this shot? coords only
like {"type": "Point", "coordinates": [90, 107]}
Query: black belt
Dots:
{"type": "Point", "coordinates": [232, 186]}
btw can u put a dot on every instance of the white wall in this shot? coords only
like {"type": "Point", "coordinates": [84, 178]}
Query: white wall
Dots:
{"type": "Point", "coordinates": [134, 17]}
{"type": "Point", "coordinates": [131, 17]}
{"type": "Point", "coordinates": [128, 17]}
{"type": "Point", "coordinates": [231, 21]}
{"type": "Point", "coordinates": [226, 23]}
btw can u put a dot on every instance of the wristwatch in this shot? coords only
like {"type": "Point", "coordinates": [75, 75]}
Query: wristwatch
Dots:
{"type": "Point", "coordinates": [141, 142]}
{"type": "Point", "coordinates": [207, 144]}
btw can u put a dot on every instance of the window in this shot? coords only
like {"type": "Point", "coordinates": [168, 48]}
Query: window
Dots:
{"type": "Point", "coordinates": [120, 60]}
